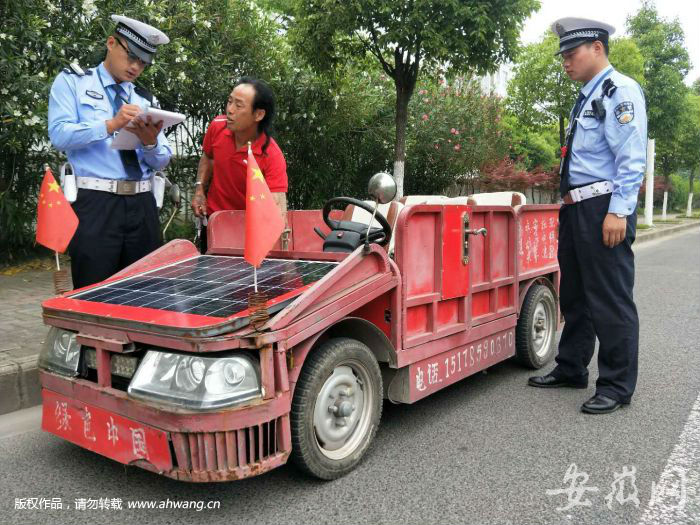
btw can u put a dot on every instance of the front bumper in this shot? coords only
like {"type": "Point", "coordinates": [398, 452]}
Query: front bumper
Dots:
{"type": "Point", "coordinates": [193, 446]}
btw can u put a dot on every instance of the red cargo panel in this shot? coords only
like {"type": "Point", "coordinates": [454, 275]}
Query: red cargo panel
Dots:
{"type": "Point", "coordinates": [436, 372]}
{"type": "Point", "coordinates": [537, 238]}
{"type": "Point", "coordinates": [455, 270]}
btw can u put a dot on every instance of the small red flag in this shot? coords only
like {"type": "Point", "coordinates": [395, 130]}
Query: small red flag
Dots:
{"type": "Point", "coordinates": [263, 221]}
{"type": "Point", "coordinates": [56, 221]}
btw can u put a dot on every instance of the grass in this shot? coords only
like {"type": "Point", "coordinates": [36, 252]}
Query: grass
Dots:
{"type": "Point", "coordinates": [643, 226]}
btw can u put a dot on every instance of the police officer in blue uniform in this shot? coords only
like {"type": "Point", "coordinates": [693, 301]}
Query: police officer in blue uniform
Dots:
{"type": "Point", "coordinates": [115, 204]}
{"type": "Point", "coordinates": [602, 167]}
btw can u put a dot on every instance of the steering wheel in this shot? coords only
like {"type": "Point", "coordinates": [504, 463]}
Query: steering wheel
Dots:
{"type": "Point", "coordinates": [380, 236]}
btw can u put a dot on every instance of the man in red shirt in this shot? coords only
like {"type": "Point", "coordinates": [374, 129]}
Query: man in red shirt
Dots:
{"type": "Point", "coordinates": [222, 168]}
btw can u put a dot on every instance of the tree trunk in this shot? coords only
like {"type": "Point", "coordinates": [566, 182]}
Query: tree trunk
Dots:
{"type": "Point", "coordinates": [689, 207]}
{"type": "Point", "coordinates": [403, 95]}
{"type": "Point", "coordinates": [561, 130]}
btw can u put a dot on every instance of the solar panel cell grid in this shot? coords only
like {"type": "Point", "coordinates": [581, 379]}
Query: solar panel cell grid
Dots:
{"type": "Point", "coordinates": [208, 285]}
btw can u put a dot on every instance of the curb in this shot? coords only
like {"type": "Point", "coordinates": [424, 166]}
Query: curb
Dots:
{"type": "Point", "coordinates": [648, 235]}
{"type": "Point", "coordinates": [19, 378]}
{"type": "Point", "coordinates": [19, 384]}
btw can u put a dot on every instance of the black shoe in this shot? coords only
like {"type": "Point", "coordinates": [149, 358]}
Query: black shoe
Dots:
{"type": "Point", "coordinates": [550, 381]}
{"type": "Point", "coordinates": [600, 404]}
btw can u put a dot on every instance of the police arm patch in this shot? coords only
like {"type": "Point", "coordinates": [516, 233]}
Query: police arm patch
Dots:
{"type": "Point", "coordinates": [624, 112]}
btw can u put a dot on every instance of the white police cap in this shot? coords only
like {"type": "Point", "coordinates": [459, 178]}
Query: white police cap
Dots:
{"type": "Point", "coordinates": [573, 32]}
{"type": "Point", "coordinates": [143, 39]}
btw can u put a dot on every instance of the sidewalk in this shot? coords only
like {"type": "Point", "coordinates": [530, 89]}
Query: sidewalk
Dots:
{"type": "Point", "coordinates": [23, 334]}
{"type": "Point", "coordinates": [23, 331]}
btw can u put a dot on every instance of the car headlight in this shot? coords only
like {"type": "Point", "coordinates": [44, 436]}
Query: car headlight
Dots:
{"type": "Point", "coordinates": [194, 381]}
{"type": "Point", "coordinates": [61, 352]}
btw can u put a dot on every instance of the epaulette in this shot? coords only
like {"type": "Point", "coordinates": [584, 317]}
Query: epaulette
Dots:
{"type": "Point", "coordinates": [609, 87]}
{"type": "Point", "coordinates": [74, 69]}
{"type": "Point", "coordinates": [144, 93]}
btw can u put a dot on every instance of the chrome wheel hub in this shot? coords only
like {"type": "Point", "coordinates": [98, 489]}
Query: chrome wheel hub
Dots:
{"type": "Point", "coordinates": [541, 329]}
{"type": "Point", "coordinates": [343, 410]}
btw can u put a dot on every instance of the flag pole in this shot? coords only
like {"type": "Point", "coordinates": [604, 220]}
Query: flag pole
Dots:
{"type": "Point", "coordinates": [255, 278]}
{"type": "Point", "coordinates": [58, 263]}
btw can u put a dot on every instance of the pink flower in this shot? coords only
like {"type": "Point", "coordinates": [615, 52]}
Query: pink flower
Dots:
{"type": "Point", "coordinates": [456, 132]}
{"type": "Point", "coordinates": [422, 92]}
{"type": "Point", "coordinates": [453, 131]}
{"type": "Point", "coordinates": [437, 147]}
{"type": "Point", "coordinates": [424, 117]}
{"type": "Point", "coordinates": [449, 140]}
{"type": "Point", "coordinates": [457, 147]}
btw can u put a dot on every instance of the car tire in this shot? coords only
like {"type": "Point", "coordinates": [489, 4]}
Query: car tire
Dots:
{"type": "Point", "coordinates": [535, 334]}
{"type": "Point", "coordinates": [336, 408]}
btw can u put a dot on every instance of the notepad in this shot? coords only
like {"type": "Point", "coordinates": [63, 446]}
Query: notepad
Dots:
{"type": "Point", "coordinates": [127, 140]}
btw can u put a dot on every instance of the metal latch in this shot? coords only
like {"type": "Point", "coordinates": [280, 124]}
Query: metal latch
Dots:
{"type": "Point", "coordinates": [466, 232]}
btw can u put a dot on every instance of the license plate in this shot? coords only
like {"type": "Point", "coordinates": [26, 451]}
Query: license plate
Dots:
{"type": "Point", "coordinates": [101, 431]}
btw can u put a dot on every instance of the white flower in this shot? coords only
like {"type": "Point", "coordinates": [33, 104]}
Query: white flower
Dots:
{"type": "Point", "coordinates": [42, 74]}
{"type": "Point", "coordinates": [14, 99]}
{"type": "Point", "coordinates": [207, 24]}
{"type": "Point", "coordinates": [182, 76]}
{"type": "Point", "coordinates": [3, 36]}
{"type": "Point", "coordinates": [48, 24]}
{"type": "Point", "coordinates": [17, 113]}
{"type": "Point", "coordinates": [4, 91]}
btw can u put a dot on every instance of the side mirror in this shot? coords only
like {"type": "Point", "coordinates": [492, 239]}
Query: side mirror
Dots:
{"type": "Point", "coordinates": [382, 187]}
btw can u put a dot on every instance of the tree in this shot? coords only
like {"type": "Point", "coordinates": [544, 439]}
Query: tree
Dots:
{"type": "Point", "coordinates": [687, 147]}
{"type": "Point", "coordinates": [666, 64]}
{"type": "Point", "coordinates": [454, 130]}
{"type": "Point", "coordinates": [541, 93]}
{"type": "Point", "coordinates": [405, 37]}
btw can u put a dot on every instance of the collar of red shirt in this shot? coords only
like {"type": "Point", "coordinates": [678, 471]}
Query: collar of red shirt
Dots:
{"type": "Point", "coordinates": [257, 145]}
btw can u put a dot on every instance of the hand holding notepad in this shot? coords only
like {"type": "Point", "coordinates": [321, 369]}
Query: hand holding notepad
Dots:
{"type": "Point", "coordinates": [127, 140]}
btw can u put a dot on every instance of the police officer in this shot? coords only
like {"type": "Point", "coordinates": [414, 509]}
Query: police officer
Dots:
{"type": "Point", "coordinates": [602, 167]}
{"type": "Point", "coordinates": [115, 205]}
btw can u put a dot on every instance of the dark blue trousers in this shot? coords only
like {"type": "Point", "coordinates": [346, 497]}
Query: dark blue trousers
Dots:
{"type": "Point", "coordinates": [114, 231]}
{"type": "Point", "coordinates": [596, 301]}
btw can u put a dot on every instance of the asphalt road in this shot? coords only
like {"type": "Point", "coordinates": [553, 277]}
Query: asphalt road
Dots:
{"type": "Point", "coordinates": [485, 450]}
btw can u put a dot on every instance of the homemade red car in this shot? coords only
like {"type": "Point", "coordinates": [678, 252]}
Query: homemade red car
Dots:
{"type": "Point", "coordinates": [160, 366]}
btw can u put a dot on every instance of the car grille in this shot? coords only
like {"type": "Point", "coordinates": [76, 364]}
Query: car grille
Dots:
{"type": "Point", "coordinates": [229, 450]}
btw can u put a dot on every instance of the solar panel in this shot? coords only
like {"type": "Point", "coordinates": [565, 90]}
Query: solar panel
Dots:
{"type": "Point", "coordinates": [211, 285]}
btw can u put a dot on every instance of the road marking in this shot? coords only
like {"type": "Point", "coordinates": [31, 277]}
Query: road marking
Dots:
{"type": "Point", "coordinates": [676, 498]}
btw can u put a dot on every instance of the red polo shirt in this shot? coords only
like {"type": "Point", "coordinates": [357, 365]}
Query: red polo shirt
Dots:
{"type": "Point", "coordinates": [227, 187]}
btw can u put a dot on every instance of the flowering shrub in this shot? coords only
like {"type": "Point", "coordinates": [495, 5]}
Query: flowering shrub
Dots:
{"type": "Point", "coordinates": [454, 130]}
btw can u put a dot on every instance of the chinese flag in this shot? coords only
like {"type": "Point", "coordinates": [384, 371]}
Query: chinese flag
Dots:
{"type": "Point", "coordinates": [263, 221]}
{"type": "Point", "coordinates": [56, 221]}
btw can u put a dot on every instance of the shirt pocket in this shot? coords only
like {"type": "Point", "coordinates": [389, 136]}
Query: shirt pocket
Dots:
{"type": "Point", "coordinates": [91, 108]}
{"type": "Point", "coordinates": [591, 134]}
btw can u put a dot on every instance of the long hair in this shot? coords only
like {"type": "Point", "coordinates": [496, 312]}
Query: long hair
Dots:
{"type": "Point", "coordinates": [264, 99]}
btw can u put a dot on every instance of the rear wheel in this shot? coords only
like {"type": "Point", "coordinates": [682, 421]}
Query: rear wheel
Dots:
{"type": "Point", "coordinates": [336, 408]}
{"type": "Point", "coordinates": [534, 342]}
